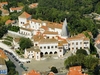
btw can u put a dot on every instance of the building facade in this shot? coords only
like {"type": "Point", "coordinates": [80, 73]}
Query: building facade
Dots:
{"type": "Point", "coordinates": [49, 37]}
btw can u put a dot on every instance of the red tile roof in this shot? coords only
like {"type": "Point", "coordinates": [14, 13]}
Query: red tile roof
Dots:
{"type": "Point", "coordinates": [25, 15]}
{"type": "Point", "coordinates": [33, 5]}
{"type": "Point", "coordinates": [9, 22]}
{"type": "Point", "coordinates": [3, 55]}
{"type": "Point", "coordinates": [75, 71]}
{"type": "Point", "coordinates": [33, 72]}
{"type": "Point", "coordinates": [16, 8]}
{"type": "Point", "coordinates": [51, 73]}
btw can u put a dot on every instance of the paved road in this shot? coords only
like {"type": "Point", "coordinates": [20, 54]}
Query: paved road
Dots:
{"type": "Point", "coordinates": [18, 68]}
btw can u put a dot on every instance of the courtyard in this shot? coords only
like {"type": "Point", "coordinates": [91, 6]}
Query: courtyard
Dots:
{"type": "Point", "coordinates": [47, 62]}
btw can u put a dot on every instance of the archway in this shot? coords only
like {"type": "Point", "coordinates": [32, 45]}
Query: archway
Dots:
{"type": "Point", "coordinates": [41, 54]}
{"type": "Point", "coordinates": [55, 52]}
{"type": "Point", "coordinates": [50, 53]}
{"type": "Point", "coordinates": [46, 53]}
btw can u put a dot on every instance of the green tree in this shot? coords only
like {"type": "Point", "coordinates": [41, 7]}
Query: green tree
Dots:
{"type": "Point", "coordinates": [91, 62]}
{"type": "Point", "coordinates": [97, 8]}
{"type": "Point", "coordinates": [81, 51]}
{"type": "Point", "coordinates": [3, 30]}
{"type": "Point", "coordinates": [54, 69]}
{"type": "Point", "coordinates": [25, 43]}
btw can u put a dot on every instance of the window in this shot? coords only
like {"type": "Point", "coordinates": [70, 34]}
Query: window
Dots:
{"type": "Point", "coordinates": [60, 50]}
{"type": "Point", "coordinates": [80, 42]}
{"type": "Point", "coordinates": [35, 44]}
{"type": "Point", "coordinates": [76, 43]}
{"type": "Point", "coordinates": [76, 48]}
{"type": "Point", "coordinates": [85, 42]}
{"type": "Point", "coordinates": [72, 43]}
{"type": "Point", "coordinates": [48, 47]}
{"type": "Point", "coordinates": [55, 46]}
{"type": "Point", "coordinates": [51, 46]}
{"type": "Point", "coordinates": [72, 48]}
{"type": "Point", "coordinates": [44, 47]}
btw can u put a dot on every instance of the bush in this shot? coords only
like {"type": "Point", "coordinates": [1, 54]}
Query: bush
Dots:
{"type": "Point", "coordinates": [13, 28]}
{"type": "Point", "coordinates": [7, 43]}
{"type": "Point", "coordinates": [8, 39]}
{"type": "Point", "coordinates": [54, 69]}
{"type": "Point", "coordinates": [17, 51]}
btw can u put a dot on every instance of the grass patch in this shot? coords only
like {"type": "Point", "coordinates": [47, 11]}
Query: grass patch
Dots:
{"type": "Point", "coordinates": [7, 43]}
{"type": "Point", "coordinates": [8, 39]}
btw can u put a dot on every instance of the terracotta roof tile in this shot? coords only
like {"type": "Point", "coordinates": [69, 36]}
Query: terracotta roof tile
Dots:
{"type": "Point", "coordinates": [44, 27]}
{"type": "Point", "coordinates": [49, 32]}
{"type": "Point", "coordinates": [51, 73]}
{"type": "Point", "coordinates": [48, 41]}
{"type": "Point", "coordinates": [54, 25]}
{"type": "Point", "coordinates": [27, 29]}
{"type": "Point", "coordinates": [25, 15]}
{"type": "Point", "coordinates": [16, 8]}
{"type": "Point", "coordinates": [3, 55]}
{"type": "Point", "coordinates": [33, 72]}
{"type": "Point", "coordinates": [9, 22]}
{"type": "Point", "coordinates": [76, 70]}
{"type": "Point", "coordinates": [37, 37]}
{"type": "Point", "coordinates": [33, 5]}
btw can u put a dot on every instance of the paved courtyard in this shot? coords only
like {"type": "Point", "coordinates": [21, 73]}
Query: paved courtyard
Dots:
{"type": "Point", "coordinates": [47, 62]}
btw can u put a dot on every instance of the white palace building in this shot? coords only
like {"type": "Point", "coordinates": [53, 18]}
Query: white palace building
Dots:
{"type": "Point", "coordinates": [49, 37]}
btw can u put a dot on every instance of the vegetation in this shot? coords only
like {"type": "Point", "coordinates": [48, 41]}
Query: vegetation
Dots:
{"type": "Point", "coordinates": [3, 30]}
{"type": "Point", "coordinates": [9, 38]}
{"type": "Point", "coordinates": [54, 69]}
{"type": "Point", "coordinates": [11, 68]}
{"type": "Point", "coordinates": [7, 43]}
{"type": "Point", "coordinates": [81, 51]}
{"type": "Point", "coordinates": [87, 62]}
{"type": "Point", "coordinates": [13, 28]}
{"type": "Point", "coordinates": [25, 43]}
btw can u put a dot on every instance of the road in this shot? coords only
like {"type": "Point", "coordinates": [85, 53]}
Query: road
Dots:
{"type": "Point", "coordinates": [18, 68]}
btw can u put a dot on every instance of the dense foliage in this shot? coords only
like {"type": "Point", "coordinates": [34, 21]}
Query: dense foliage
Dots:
{"type": "Point", "coordinates": [87, 62]}
{"type": "Point", "coordinates": [13, 28]}
{"type": "Point", "coordinates": [3, 30]}
{"type": "Point", "coordinates": [81, 51]}
{"type": "Point", "coordinates": [25, 43]}
{"type": "Point", "coordinates": [11, 68]}
{"type": "Point", "coordinates": [54, 69]}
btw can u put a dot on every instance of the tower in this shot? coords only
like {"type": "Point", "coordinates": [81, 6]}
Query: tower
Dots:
{"type": "Point", "coordinates": [65, 32]}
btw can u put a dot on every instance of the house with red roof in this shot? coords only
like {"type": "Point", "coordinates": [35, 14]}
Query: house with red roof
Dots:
{"type": "Point", "coordinates": [76, 70]}
{"type": "Point", "coordinates": [32, 72]}
{"type": "Point", "coordinates": [3, 55]}
{"type": "Point", "coordinates": [18, 9]}
{"type": "Point", "coordinates": [33, 5]}
{"type": "Point", "coordinates": [2, 4]}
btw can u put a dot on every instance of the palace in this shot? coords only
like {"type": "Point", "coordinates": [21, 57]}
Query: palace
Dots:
{"type": "Point", "coordinates": [49, 37]}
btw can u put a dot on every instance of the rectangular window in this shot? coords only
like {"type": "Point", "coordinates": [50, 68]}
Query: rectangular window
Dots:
{"type": "Point", "coordinates": [55, 46]}
{"type": "Point", "coordinates": [48, 47]}
{"type": "Point", "coordinates": [76, 43]}
{"type": "Point", "coordinates": [85, 42]}
{"type": "Point", "coordinates": [51, 46]}
{"type": "Point", "coordinates": [72, 43]}
{"type": "Point", "coordinates": [80, 42]}
{"type": "Point", "coordinates": [44, 47]}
